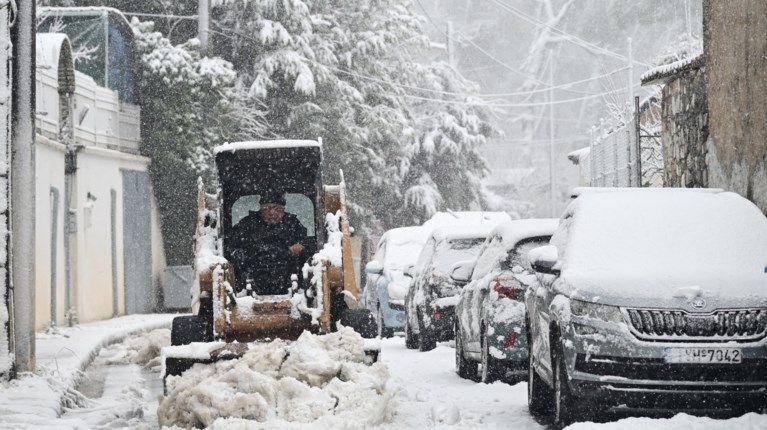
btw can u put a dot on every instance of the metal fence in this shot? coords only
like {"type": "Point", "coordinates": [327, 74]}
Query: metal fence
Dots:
{"type": "Point", "coordinates": [613, 158]}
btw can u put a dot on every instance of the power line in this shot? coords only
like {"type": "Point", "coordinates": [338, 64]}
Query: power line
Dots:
{"type": "Point", "coordinates": [484, 103]}
{"type": "Point", "coordinates": [569, 37]}
{"type": "Point", "coordinates": [519, 105]}
{"type": "Point", "coordinates": [159, 15]}
{"type": "Point", "coordinates": [477, 47]}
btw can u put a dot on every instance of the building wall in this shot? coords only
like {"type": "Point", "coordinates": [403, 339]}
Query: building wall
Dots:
{"type": "Point", "coordinates": [685, 129]}
{"type": "Point", "coordinates": [99, 172]}
{"type": "Point", "coordinates": [735, 40]}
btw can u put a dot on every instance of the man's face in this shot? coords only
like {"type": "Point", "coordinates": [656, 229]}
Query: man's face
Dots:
{"type": "Point", "coordinates": [272, 213]}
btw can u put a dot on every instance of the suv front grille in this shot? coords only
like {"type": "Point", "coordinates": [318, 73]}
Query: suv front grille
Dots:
{"type": "Point", "coordinates": [679, 325]}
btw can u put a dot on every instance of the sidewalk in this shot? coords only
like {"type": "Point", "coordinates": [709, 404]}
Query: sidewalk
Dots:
{"type": "Point", "coordinates": [34, 401]}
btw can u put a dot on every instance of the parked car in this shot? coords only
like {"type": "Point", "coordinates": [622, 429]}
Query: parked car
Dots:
{"type": "Point", "coordinates": [490, 314]}
{"type": "Point", "coordinates": [430, 301]}
{"type": "Point", "coordinates": [387, 284]}
{"type": "Point", "coordinates": [650, 298]}
{"type": "Point", "coordinates": [442, 219]}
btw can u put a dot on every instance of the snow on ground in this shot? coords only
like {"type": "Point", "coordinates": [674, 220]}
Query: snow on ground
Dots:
{"type": "Point", "coordinates": [427, 393]}
{"type": "Point", "coordinates": [36, 401]}
{"type": "Point", "coordinates": [120, 387]}
{"type": "Point", "coordinates": [321, 383]}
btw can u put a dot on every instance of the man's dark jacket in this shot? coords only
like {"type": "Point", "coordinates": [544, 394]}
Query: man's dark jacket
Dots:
{"type": "Point", "coordinates": [262, 250]}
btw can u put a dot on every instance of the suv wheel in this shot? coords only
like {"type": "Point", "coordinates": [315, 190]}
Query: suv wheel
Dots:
{"type": "Point", "coordinates": [411, 339]}
{"type": "Point", "coordinates": [539, 395]}
{"type": "Point", "coordinates": [383, 331]}
{"type": "Point", "coordinates": [465, 369]}
{"type": "Point", "coordinates": [563, 399]}
{"type": "Point", "coordinates": [492, 368]}
{"type": "Point", "coordinates": [426, 338]}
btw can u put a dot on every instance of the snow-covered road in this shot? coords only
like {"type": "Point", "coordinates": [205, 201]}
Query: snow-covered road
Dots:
{"type": "Point", "coordinates": [427, 393]}
{"type": "Point", "coordinates": [122, 387]}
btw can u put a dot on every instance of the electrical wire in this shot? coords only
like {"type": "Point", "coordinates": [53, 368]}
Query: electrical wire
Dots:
{"type": "Point", "coordinates": [518, 105]}
{"type": "Point", "coordinates": [568, 37]}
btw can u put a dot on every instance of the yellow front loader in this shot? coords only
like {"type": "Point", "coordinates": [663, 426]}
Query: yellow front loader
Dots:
{"type": "Point", "coordinates": [323, 293]}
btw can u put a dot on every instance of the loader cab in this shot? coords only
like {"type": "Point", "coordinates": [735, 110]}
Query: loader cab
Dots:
{"type": "Point", "coordinates": [248, 170]}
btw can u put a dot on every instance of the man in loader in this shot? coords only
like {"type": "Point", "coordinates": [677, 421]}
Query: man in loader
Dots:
{"type": "Point", "coordinates": [268, 247]}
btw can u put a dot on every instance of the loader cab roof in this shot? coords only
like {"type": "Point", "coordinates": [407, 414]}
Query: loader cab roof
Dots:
{"type": "Point", "coordinates": [265, 144]}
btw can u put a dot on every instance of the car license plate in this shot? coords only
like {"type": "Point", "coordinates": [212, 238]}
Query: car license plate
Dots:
{"type": "Point", "coordinates": [702, 355]}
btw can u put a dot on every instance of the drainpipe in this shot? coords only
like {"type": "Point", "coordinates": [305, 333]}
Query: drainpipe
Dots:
{"type": "Point", "coordinates": [66, 90]}
{"type": "Point", "coordinates": [22, 263]}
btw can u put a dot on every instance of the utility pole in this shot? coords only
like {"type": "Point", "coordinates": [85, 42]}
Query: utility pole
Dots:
{"type": "Point", "coordinates": [631, 73]}
{"type": "Point", "coordinates": [450, 45]}
{"type": "Point", "coordinates": [6, 307]}
{"type": "Point", "coordinates": [22, 205]}
{"type": "Point", "coordinates": [203, 24]}
{"type": "Point", "coordinates": [688, 18]}
{"type": "Point", "coordinates": [552, 184]}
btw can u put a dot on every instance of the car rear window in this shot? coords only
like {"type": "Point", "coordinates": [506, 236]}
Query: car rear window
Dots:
{"type": "Point", "coordinates": [450, 252]}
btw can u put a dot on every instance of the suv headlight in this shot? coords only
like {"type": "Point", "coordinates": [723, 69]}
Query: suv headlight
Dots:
{"type": "Point", "coordinates": [596, 311]}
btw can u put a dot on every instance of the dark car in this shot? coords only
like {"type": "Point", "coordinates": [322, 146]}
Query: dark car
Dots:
{"type": "Point", "coordinates": [490, 315]}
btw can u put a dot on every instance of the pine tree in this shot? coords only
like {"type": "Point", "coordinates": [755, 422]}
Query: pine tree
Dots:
{"type": "Point", "coordinates": [346, 72]}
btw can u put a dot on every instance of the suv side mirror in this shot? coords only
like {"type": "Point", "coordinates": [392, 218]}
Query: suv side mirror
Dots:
{"type": "Point", "coordinates": [409, 270]}
{"type": "Point", "coordinates": [374, 267]}
{"type": "Point", "coordinates": [461, 271]}
{"type": "Point", "coordinates": [544, 259]}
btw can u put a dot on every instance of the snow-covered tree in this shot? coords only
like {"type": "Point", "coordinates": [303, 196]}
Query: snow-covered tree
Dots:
{"type": "Point", "coordinates": [189, 104]}
{"type": "Point", "coordinates": [347, 72]}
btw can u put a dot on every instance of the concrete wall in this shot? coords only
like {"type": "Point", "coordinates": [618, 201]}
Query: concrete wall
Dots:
{"type": "Point", "coordinates": [685, 129]}
{"type": "Point", "coordinates": [735, 41]}
{"type": "Point", "coordinates": [99, 172]}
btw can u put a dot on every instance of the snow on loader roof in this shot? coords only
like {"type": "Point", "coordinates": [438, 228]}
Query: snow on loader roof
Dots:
{"type": "Point", "coordinates": [266, 144]}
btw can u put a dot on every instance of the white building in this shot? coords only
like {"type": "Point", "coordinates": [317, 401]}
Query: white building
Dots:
{"type": "Point", "coordinates": [98, 243]}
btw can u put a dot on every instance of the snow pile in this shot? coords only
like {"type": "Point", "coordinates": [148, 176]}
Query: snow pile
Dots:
{"type": "Point", "coordinates": [317, 381]}
{"type": "Point", "coordinates": [331, 253]}
{"type": "Point", "coordinates": [208, 249]}
{"type": "Point", "coordinates": [142, 349]}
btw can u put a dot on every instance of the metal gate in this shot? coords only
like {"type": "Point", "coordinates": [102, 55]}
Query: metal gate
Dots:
{"type": "Point", "coordinates": [137, 243]}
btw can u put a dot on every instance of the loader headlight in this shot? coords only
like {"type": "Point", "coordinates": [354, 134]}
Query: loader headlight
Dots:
{"type": "Point", "coordinates": [596, 311]}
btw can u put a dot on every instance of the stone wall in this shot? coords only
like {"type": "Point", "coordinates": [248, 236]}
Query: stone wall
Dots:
{"type": "Point", "coordinates": [685, 129]}
{"type": "Point", "coordinates": [735, 43]}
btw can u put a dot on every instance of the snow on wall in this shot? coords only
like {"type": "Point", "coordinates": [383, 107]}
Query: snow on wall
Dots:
{"type": "Point", "coordinates": [666, 70]}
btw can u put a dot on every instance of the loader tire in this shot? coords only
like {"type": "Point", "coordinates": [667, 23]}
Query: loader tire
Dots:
{"type": "Point", "coordinates": [190, 328]}
{"type": "Point", "coordinates": [361, 320]}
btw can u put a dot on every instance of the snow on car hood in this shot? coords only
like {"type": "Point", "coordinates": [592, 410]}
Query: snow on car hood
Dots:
{"type": "Point", "coordinates": [664, 246]}
{"type": "Point", "coordinates": [663, 290]}
{"type": "Point", "coordinates": [398, 285]}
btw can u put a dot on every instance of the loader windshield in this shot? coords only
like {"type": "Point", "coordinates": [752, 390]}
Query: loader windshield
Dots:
{"type": "Point", "coordinates": [297, 204]}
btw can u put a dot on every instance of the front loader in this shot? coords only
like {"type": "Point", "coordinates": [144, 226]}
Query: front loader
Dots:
{"type": "Point", "coordinates": [227, 310]}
